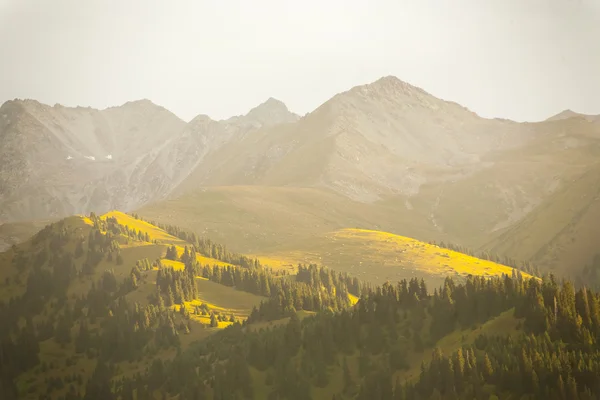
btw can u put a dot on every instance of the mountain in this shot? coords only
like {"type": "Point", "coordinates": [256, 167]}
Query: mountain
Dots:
{"type": "Point", "coordinates": [566, 114]}
{"type": "Point", "coordinates": [58, 161]}
{"type": "Point", "coordinates": [373, 141]}
{"type": "Point", "coordinates": [562, 231]}
{"type": "Point", "coordinates": [389, 156]}
{"type": "Point", "coordinates": [382, 156]}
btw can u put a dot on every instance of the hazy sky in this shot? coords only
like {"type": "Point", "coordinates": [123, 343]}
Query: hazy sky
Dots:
{"type": "Point", "coordinates": [518, 59]}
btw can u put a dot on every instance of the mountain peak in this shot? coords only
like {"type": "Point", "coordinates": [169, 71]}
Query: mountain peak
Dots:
{"type": "Point", "coordinates": [270, 105]}
{"type": "Point", "coordinates": [393, 85]}
{"type": "Point", "coordinates": [271, 112]}
{"type": "Point", "coordinates": [141, 103]}
{"type": "Point", "coordinates": [568, 113]}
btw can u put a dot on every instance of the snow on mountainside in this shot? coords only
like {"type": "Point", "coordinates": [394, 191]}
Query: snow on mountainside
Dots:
{"type": "Point", "coordinates": [58, 161]}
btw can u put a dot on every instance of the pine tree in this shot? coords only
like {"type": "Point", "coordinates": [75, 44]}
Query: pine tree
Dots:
{"type": "Point", "coordinates": [349, 384]}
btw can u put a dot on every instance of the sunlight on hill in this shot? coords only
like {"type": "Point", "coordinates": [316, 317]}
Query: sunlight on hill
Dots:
{"type": "Point", "coordinates": [377, 256]}
{"type": "Point", "coordinates": [422, 256]}
{"type": "Point", "coordinates": [153, 231]}
{"type": "Point", "coordinates": [163, 238]}
{"type": "Point", "coordinates": [176, 265]}
{"type": "Point", "coordinates": [202, 259]}
{"type": "Point", "coordinates": [86, 220]}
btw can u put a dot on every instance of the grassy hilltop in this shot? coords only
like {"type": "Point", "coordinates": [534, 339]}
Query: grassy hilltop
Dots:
{"type": "Point", "coordinates": [377, 256]}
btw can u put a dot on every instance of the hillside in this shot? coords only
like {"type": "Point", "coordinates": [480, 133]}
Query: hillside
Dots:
{"type": "Point", "coordinates": [58, 161]}
{"type": "Point", "coordinates": [12, 233]}
{"type": "Point", "coordinates": [79, 263]}
{"type": "Point", "coordinates": [483, 339]}
{"type": "Point", "coordinates": [93, 301]}
{"type": "Point", "coordinates": [562, 233]}
{"type": "Point", "coordinates": [371, 142]}
{"type": "Point", "coordinates": [254, 219]}
{"type": "Point", "coordinates": [377, 257]}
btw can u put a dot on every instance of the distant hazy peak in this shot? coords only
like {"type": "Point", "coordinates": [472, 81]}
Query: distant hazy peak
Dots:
{"type": "Point", "coordinates": [272, 106]}
{"type": "Point", "coordinates": [270, 112]}
{"type": "Point", "coordinates": [393, 85]}
{"type": "Point", "coordinates": [566, 114]}
{"type": "Point", "coordinates": [391, 93]}
{"type": "Point", "coordinates": [24, 103]}
{"type": "Point", "coordinates": [34, 105]}
{"type": "Point", "coordinates": [140, 102]}
{"type": "Point", "coordinates": [201, 119]}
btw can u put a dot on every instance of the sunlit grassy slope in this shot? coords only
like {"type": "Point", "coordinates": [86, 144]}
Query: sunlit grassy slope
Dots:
{"type": "Point", "coordinates": [161, 236]}
{"type": "Point", "coordinates": [153, 231]}
{"type": "Point", "coordinates": [252, 219]}
{"type": "Point", "coordinates": [379, 256]}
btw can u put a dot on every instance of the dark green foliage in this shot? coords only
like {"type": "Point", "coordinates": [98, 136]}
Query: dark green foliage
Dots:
{"type": "Point", "coordinates": [557, 357]}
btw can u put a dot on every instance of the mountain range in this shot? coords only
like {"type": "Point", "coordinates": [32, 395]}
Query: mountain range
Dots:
{"type": "Point", "coordinates": [385, 155]}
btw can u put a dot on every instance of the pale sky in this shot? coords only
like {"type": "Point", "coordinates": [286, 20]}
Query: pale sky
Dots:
{"type": "Point", "coordinates": [517, 59]}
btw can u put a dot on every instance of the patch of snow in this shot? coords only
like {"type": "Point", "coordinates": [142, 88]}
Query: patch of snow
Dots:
{"type": "Point", "coordinates": [90, 158]}
{"type": "Point", "coordinates": [109, 157]}
{"type": "Point", "coordinates": [69, 158]}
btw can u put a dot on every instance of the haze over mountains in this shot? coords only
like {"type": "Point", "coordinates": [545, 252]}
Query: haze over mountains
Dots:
{"type": "Point", "coordinates": [386, 155]}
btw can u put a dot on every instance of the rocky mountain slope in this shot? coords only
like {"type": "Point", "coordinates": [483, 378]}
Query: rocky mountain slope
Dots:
{"type": "Point", "coordinates": [404, 161]}
{"type": "Point", "coordinates": [59, 161]}
{"type": "Point", "coordinates": [368, 143]}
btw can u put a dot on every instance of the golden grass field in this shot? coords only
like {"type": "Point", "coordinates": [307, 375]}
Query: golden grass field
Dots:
{"type": "Point", "coordinates": [376, 256]}
{"type": "Point", "coordinates": [253, 219]}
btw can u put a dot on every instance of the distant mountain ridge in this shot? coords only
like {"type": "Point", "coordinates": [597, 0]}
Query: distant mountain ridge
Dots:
{"type": "Point", "coordinates": [59, 161]}
{"type": "Point", "coordinates": [566, 114]}
{"type": "Point", "coordinates": [443, 171]}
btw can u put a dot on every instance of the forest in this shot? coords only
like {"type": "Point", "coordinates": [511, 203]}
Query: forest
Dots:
{"type": "Point", "coordinates": [306, 339]}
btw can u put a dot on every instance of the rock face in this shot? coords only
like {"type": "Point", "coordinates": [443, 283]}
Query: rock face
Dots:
{"type": "Point", "coordinates": [58, 161]}
{"type": "Point", "coordinates": [373, 141]}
